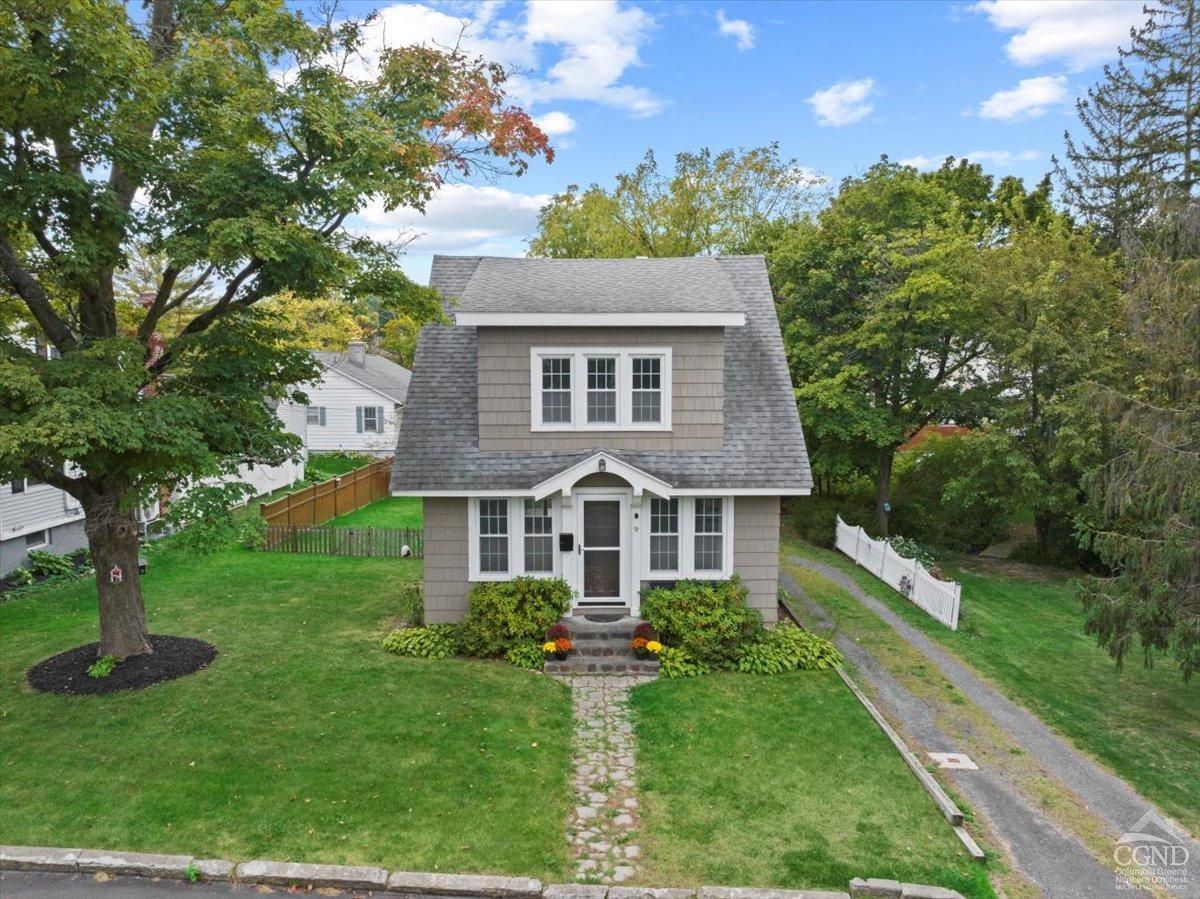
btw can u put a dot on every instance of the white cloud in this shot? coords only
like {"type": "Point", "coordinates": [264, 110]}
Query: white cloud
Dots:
{"type": "Point", "coordinates": [555, 123]}
{"type": "Point", "coordinates": [562, 49]}
{"type": "Point", "coordinates": [843, 103]}
{"type": "Point", "coordinates": [1001, 159]}
{"type": "Point", "coordinates": [598, 41]}
{"type": "Point", "coordinates": [460, 218]}
{"type": "Point", "coordinates": [1031, 98]}
{"type": "Point", "coordinates": [1081, 32]}
{"type": "Point", "coordinates": [738, 29]}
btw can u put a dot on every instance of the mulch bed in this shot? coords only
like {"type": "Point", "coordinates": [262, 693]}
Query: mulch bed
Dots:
{"type": "Point", "coordinates": [172, 657]}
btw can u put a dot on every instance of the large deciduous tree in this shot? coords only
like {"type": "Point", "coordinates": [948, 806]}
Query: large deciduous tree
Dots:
{"type": "Point", "coordinates": [711, 203]}
{"type": "Point", "coordinates": [1059, 325]}
{"type": "Point", "coordinates": [884, 311]}
{"type": "Point", "coordinates": [231, 139]}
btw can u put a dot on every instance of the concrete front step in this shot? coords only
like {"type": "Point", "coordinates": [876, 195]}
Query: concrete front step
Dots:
{"type": "Point", "coordinates": [575, 664]}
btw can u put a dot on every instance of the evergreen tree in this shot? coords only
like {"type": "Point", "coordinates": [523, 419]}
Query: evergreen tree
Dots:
{"type": "Point", "coordinates": [1101, 179]}
{"type": "Point", "coordinates": [1167, 55]}
{"type": "Point", "coordinates": [1144, 516]}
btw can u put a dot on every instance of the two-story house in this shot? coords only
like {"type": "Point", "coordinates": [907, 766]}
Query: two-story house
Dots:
{"type": "Point", "coordinates": [355, 406]}
{"type": "Point", "coordinates": [613, 422]}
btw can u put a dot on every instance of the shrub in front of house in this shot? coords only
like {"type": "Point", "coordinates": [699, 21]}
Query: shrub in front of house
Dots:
{"type": "Point", "coordinates": [503, 614]}
{"type": "Point", "coordinates": [676, 662]}
{"type": "Point", "coordinates": [438, 641]}
{"type": "Point", "coordinates": [786, 648]}
{"type": "Point", "coordinates": [707, 619]}
{"type": "Point", "coordinates": [412, 603]}
{"type": "Point", "coordinates": [527, 654]}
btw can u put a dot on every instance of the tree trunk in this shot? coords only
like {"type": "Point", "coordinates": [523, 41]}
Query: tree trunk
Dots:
{"type": "Point", "coordinates": [883, 484]}
{"type": "Point", "coordinates": [113, 539]}
{"type": "Point", "coordinates": [1041, 528]}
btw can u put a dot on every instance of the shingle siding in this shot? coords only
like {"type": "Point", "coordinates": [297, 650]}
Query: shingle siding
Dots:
{"type": "Point", "coordinates": [756, 551]}
{"type": "Point", "coordinates": [446, 536]}
{"type": "Point", "coordinates": [697, 388]}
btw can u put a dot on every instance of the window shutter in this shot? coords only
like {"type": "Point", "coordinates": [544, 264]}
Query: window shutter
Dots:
{"type": "Point", "coordinates": [358, 410]}
{"type": "Point", "coordinates": [379, 419]}
{"type": "Point", "coordinates": [322, 413]}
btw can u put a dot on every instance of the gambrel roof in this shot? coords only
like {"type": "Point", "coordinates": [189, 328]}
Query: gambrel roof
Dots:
{"type": "Point", "coordinates": [763, 446]}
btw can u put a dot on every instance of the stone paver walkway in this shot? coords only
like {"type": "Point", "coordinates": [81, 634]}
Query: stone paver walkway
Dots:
{"type": "Point", "coordinates": [603, 828]}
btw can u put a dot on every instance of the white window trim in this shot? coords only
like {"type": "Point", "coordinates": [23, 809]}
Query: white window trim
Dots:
{"type": "Point", "coordinates": [579, 357]}
{"type": "Point", "coordinates": [45, 541]}
{"type": "Point", "coordinates": [687, 543]}
{"type": "Point", "coordinates": [516, 541]}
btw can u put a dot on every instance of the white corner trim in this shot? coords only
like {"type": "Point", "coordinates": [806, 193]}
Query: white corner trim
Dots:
{"type": "Point", "coordinates": [601, 319]}
{"type": "Point", "coordinates": [565, 479]}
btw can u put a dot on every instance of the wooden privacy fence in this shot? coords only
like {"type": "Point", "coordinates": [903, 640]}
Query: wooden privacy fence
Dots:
{"type": "Point", "coordinates": [907, 576]}
{"type": "Point", "coordinates": [326, 540]}
{"type": "Point", "coordinates": [329, 499]}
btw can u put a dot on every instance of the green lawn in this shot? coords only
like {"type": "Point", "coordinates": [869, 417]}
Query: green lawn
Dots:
{"type": "Point", "coordinates": [392, 512]}
{"type": "Point", "coordinates": [323, 466]}
{"type": "Point", "coordinates": [1027, 636]}
{"type": "Point", "coordinates": [785, 782]}
{"type": "Point", "coordinates": [302, 741]}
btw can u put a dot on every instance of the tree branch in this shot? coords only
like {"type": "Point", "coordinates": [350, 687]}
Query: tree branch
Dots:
{"type": "Point", "coordinates": [34, 296]}
{"type": "Point", "coordinates": [161, 303]}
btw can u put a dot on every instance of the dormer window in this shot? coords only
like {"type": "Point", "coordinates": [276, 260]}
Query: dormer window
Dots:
{"type": "Point", "coordinates": [600, 389]}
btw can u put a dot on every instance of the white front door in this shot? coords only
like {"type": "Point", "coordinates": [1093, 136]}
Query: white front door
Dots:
{"type": "Point", "coordinates": [603, 557]}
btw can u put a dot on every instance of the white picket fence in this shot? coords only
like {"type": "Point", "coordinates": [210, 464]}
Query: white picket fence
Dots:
{"type": "Point", "coordinates": [907, 576]}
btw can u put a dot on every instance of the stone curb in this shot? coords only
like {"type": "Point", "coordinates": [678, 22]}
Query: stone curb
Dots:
{"type": "Point", "coordinates": [464, 885]}
{"type": "Point", "coordinates": [757, 893]}
{"type": "Point", "coordinates": [39, 858]}
{"type": "Point", "coordinates": [287, 873]}
{"type": "Point", "coordinates": [415, 883]}
{"type": "Point", "coordinates": [894, 889]}
{"type": "Point", "coordinates": [138, 864]}
{"type": "Point", "coordinates": [134, 864]}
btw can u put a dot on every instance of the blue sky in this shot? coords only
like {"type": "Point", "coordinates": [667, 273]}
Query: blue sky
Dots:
{"type": "Point", "coordinates": [836, 84]}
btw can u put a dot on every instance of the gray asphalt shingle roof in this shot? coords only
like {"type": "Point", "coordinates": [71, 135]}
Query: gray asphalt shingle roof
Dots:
{"type": "Point", "coordinates": [377, 372]}
{"type": "Point", "coordinates": [438, 447]}
{"type": "Point", "coordinates": [497, 284]}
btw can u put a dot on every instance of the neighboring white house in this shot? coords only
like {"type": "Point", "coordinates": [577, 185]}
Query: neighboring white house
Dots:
{"type": "Point", "coordinates": [355, 406]}
{"type": "Point", "coordinates": [34, 515]}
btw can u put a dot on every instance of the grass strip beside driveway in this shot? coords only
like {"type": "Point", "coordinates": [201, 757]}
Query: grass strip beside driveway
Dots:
{"type": "Point", "coordinates": [782, 782]}
{"type": "Point", "coordinates": [302, 741]}
{"type": "Point", "coordinates": [1026, 635]}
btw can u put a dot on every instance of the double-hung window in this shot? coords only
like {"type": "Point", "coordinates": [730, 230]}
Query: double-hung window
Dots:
{"type": "Point", "coordinates": [664, 534]}
{"type": "Point", "coordinates": [493, 535]}
{"type": "Point", "coordinates": [710, 534]}
{"type": "Point", "coordinates": [600, 388]}
{"type": "Point", "coordinates": [370, 419]}
{"type": "Point", "coordinates": [512, 536]}
{"type": "Point", "coordinates": [556, 390]}
{"type": "Point", "coordinates": [539, 537]}
{"type": "Point", "coordinates": [647, 390]}
{"type": "Point", "coordinates": [690, 536]}
{"type": "Point", "coordinates": [315, 415]}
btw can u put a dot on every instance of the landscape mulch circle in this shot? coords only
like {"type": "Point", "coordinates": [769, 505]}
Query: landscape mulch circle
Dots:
{"type": "Point", "coordinates": [172, 657]}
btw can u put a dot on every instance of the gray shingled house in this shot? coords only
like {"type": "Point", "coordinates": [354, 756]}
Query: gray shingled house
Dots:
{"type": "Point", "coordinates": [613, 422]}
